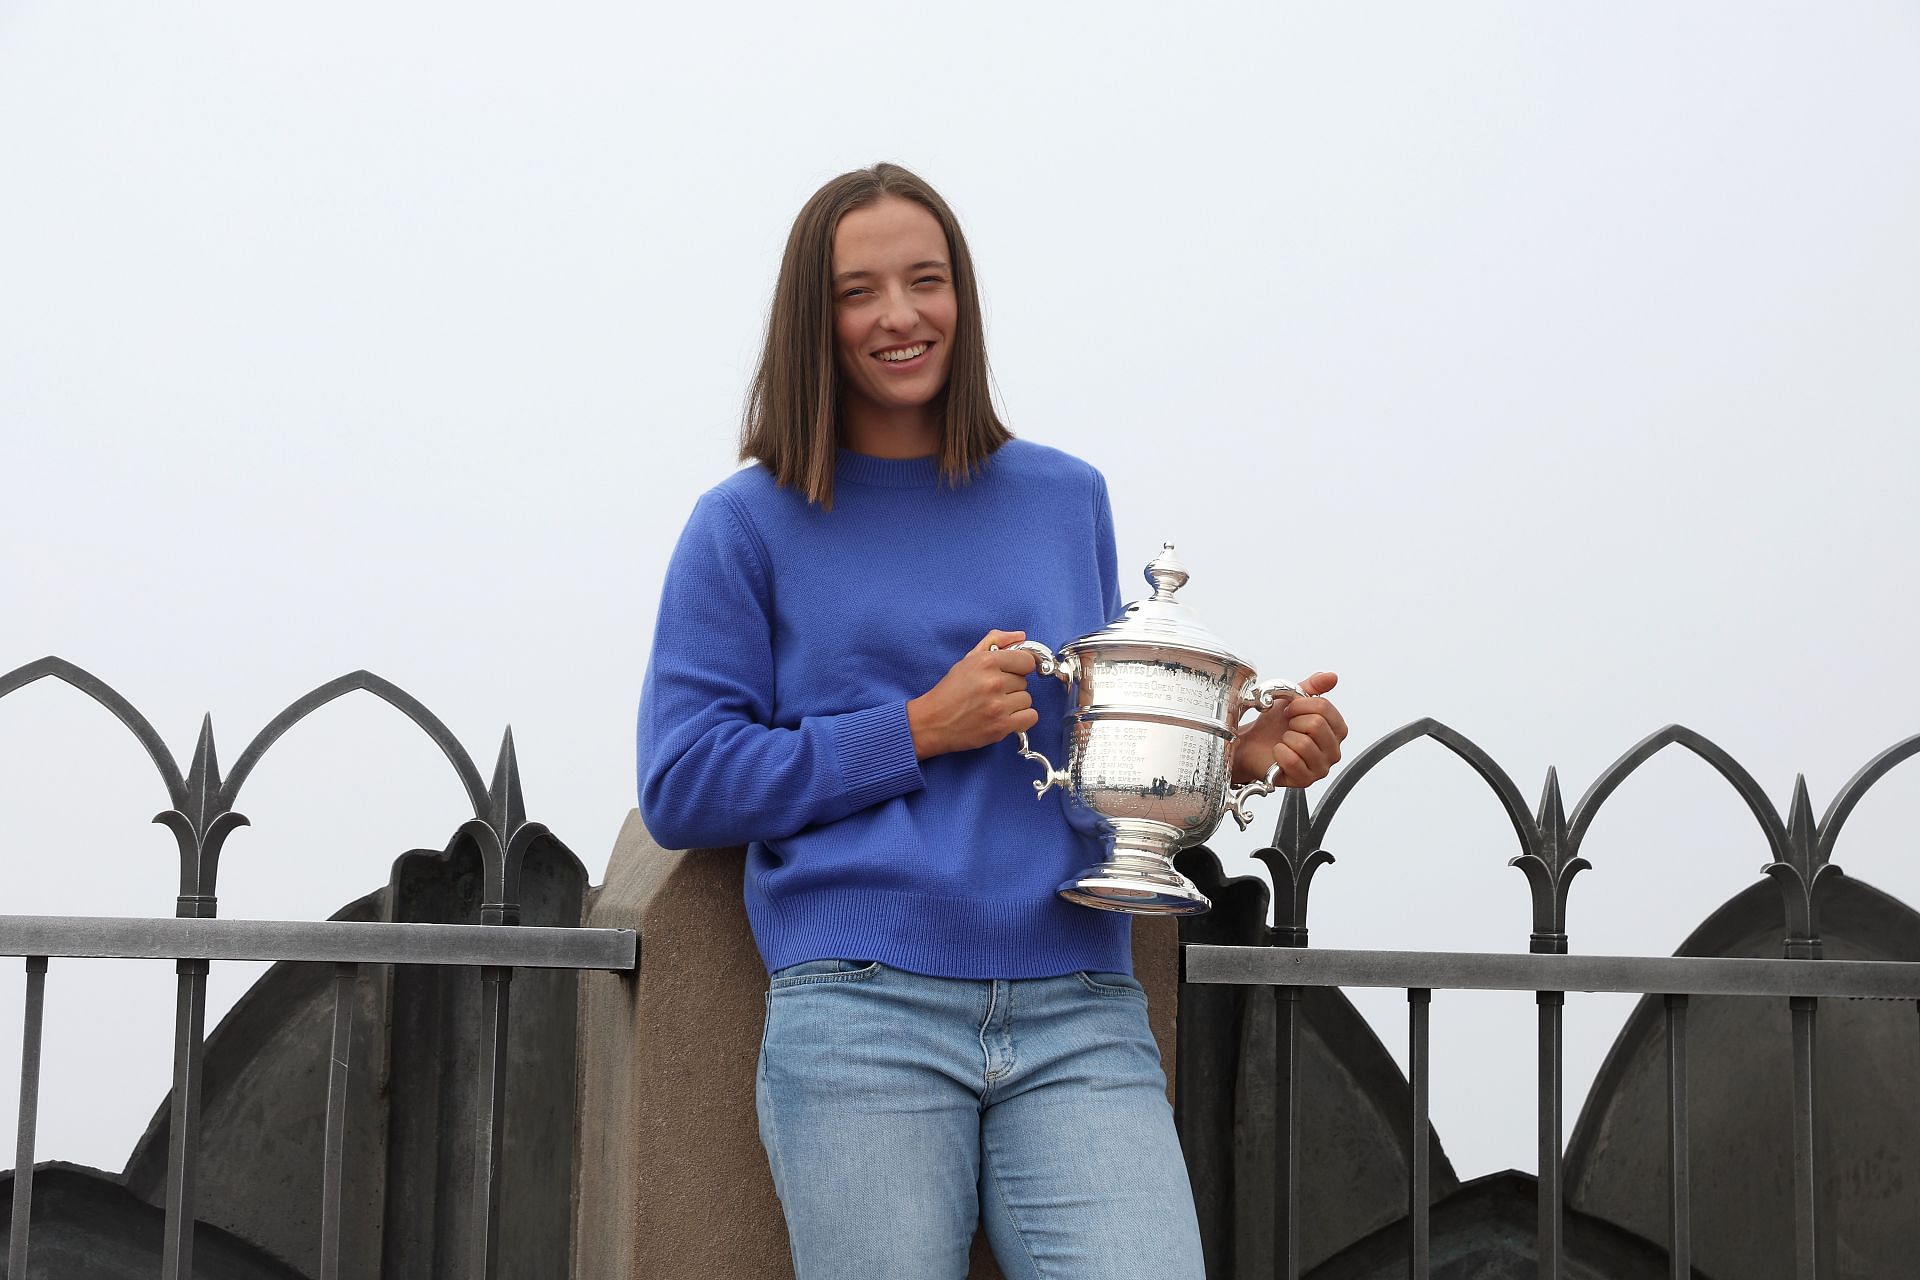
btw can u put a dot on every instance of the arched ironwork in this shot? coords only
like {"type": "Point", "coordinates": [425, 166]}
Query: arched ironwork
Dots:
{"type": "Point", "coordinates": [123, 711]}
{"type": "Point", "coordinates": [1800, 865]}
{"type": "Point", "coordinates": [1550, 840]}
{"type": "Point", "coordinates": [1857, 786]}
{"type": "Point", "coordinates": [399, 699]}
{"type": "Point", "coordinates": [201, 813]}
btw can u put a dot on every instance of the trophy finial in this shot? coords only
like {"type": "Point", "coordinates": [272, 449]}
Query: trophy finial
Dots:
{"type": "Point", "coordinates": [1166, 573]}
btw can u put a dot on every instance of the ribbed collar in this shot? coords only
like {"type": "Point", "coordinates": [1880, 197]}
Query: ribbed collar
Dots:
{"type": "Point", "coordinates": [888, 473]}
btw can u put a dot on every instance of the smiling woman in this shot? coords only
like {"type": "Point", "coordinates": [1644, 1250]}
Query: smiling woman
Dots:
{"type": "Point", "coordinates": [894, 314]}
{"type": "Point", "coordinates": [820, 690]}
{"type": "Point", "coordinates": [873, 250]}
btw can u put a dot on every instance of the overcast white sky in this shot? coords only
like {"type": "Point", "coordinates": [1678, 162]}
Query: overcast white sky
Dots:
{"type": "Point", "coordinates": [1548, 369]}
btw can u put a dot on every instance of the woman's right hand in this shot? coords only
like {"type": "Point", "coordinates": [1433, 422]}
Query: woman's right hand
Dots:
{"type": "Point", "coordinates": [982, 698]}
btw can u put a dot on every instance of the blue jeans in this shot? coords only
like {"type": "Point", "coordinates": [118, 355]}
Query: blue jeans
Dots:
{"type": "Point", "coordinates": [898, 1111]}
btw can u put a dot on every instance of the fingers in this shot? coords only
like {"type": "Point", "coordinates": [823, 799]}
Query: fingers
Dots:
{"type": "Point", "coordinates": [1317, 757]}
{"type": "Point", "coordinates": [1324, 728]}
{"type": "Point", "coordinates": [1309, 746]}
{"type": "Point", "coordinates": [982, 699]}
{"type": "Point", "coordinates": [1018, 664]}
{"type": "Point", "coordinates": [1300, 708]}
{"type": "Point", "coordinates": [1017, 706]}
{"type": "Point", "coordinates": [996, 650]}
{"type": "Point", "coordinates": [1320, 682]}
{"type": "Point", "coordinates": [1293, 770]}
{"type": "Point", "coordinates": [998, 639]}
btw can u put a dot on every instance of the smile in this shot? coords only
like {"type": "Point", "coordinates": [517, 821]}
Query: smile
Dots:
{"type": "Point", "coordinates": [900, 355]}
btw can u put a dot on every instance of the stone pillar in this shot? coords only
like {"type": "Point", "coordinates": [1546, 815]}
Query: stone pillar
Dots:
{"type": "Point", "coordinates": [670, 1181]}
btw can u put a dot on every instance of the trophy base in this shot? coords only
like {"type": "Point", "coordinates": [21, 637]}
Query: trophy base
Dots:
{"type": "Point", "coordinates": [1137, 884]}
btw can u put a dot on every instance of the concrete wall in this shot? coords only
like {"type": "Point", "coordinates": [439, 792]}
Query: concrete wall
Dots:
{"type": "Point", "coordinates": [670, 1180]}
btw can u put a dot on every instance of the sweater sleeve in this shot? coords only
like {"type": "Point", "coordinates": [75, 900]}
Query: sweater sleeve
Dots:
{"type": "Point", "coordinates": [713, 769]}
{"type": "Point", "coordinates": [1105, 550]}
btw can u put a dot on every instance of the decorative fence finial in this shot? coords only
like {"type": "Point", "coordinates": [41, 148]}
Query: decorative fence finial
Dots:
{"type": "Point", "coordinates": [1799, 875]}
{"type": "Point", "coordinates": [202, 815]}
{"type": "Point", "coordinates": [1550, 867]}
{"type": "Point", "coordinates": [1292, 860]}
{"type": "Point", "coordinates": [200, 828]}
{"type": "Point", "coordinates": [504, 836]}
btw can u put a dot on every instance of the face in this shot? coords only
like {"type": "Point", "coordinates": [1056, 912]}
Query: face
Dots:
{"type": "Point", "coordinates": [894, 307]}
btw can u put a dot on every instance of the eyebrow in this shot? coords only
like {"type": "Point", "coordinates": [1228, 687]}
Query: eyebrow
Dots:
{"type": "Point", "coordinates": [918, 266]}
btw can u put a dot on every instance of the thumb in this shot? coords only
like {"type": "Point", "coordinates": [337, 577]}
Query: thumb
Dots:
{"type": "Point", "coordinates": [999, 639]}
{"type": "Point", "coordinates": [1319, 682]}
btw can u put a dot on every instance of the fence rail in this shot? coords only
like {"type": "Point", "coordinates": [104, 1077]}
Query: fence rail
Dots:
{"type": "Point", "coordinates": [338, 941]}
{"type": "Point", "coordinates": [199, 811]}
{"type": "Point", "coordinates": [1494, 971]}
{"type": "Point", "coordinates": [201, 815]}
{"type": "Point", "coordinates": [1802, 982]}
{"type": "Point", "coordinates": [1235, 947]}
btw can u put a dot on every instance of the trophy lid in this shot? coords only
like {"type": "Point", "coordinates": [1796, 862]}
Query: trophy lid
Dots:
{"type": "Point", "coordinates": [1160, 619]}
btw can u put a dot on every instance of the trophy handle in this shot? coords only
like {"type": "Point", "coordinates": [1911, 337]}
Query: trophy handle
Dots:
{"type": "Point", "coordinates": [1054, 777]}
{"type": "Point", "coordinates": [1267, 692]}
{"type": "Point", "coordinates": [1237, 799]}
{"type": "Point", "coordinates": [1260, 697]}
{"type": "Point", "coordinates": [1046, 663]}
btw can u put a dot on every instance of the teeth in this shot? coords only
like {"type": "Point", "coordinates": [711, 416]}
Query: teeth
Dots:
{"type": "Point", "coordinates": [905, 353]}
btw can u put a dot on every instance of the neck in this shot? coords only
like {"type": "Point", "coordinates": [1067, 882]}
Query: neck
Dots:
{"type": "Point", "coordinates": [892, 433]}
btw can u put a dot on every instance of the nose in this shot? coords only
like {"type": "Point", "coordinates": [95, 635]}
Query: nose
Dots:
{"type": "Point", "coordinates": [897, 312]}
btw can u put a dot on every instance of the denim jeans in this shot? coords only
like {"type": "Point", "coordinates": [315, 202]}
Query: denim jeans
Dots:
{"type": "Point", "coordinates": [898, 1111]}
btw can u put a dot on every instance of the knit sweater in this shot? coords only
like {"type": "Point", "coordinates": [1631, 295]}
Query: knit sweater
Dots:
{"type": "Point", "coordinates": [788, 643]}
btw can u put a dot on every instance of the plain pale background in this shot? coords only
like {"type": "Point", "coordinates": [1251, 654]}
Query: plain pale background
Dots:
{"type": "Point", "coordinates": [1549, 370]}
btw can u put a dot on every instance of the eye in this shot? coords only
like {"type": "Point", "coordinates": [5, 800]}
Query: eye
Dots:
{"type": "Point", "coordinates": [931, 279]}
{"type": "Point", "coordinates": [848, 295]}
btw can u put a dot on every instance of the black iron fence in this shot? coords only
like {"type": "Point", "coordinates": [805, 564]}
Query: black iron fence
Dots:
{"type": "Point", "coordinates": [201, 815]}
{"type": "Point", "coordinates": [1240, 1060]}
{"type": "Point", "coordinates": [1549, 855]}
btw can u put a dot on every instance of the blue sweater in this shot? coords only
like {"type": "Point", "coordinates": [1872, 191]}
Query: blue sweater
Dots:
{"type": "Point", "coordinates": [774, 713]}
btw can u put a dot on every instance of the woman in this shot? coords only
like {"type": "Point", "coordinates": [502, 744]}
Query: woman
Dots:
{"type": "Point", "coordinates": [947, 1041]}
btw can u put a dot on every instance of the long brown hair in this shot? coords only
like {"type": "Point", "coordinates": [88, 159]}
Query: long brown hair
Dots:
{"type": "Point", "coordinates": [791, 422]}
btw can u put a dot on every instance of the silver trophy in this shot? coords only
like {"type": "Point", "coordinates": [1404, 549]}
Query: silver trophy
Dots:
{"type": "Point", "coordinates": [1149, 742]}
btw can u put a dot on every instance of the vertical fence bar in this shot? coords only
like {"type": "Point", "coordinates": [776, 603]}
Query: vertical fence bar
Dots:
{"type": "Point", "coordinates": [495, 985]}
{"type": "Point", "coordinates": [1419, 1194]}
{"type": "Point", "coordinates": [1679, 1174]}
{"type": "Point", "coordinates": [29, 1114]}
{"type": "Point", "coordinates": [183, 1148]}
{"type": "Point", "coordinates": [1552, 1007]}
{"type": "Point", "coordinates": [1286, 1134]}
{"type": "Point", "coordinates": [338, 1069]}
{"type": "Point", "coordinates": [1806, 1189]}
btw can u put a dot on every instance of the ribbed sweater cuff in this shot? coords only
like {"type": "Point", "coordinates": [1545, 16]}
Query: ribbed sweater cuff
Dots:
{"type": "Point", "coordinates": [875, 752]}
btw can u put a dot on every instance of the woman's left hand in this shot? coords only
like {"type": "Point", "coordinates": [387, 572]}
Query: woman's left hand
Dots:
{"type": "Point", "coordinates": [1302, 735]}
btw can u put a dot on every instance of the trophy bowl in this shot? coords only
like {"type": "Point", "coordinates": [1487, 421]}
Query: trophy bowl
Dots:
{"type": "Point", "coordinates": [1156, 705]}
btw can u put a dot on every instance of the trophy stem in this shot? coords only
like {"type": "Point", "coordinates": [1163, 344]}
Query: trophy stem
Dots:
{"type": "Point", "coordinates": [1136, 881]}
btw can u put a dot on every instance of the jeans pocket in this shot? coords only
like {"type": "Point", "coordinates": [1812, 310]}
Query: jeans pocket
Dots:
{"type": "Point", "coordinates": [812, 972]}
{"type": "Point", "coordinates": [1111, 984]}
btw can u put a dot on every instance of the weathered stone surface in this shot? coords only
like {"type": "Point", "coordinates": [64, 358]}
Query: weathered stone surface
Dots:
{"type": "Point", "coordinates": [1740, 1078]}
{"type": "Point", "coordinates": [672, 1183]}
{"type": "Point", "coordinates": [263, 1100]}
{"type": "Point", "coordinates": [433, 1099]}
{"type": "Point", "coordinates": [1354, 1106]}
{"type": "Point", "coordinates": [88, 1226]}
{"type": "Point", "coordinates": [408, 1198]}
{"type": "Point", "coordinates": [1354, 1110]}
